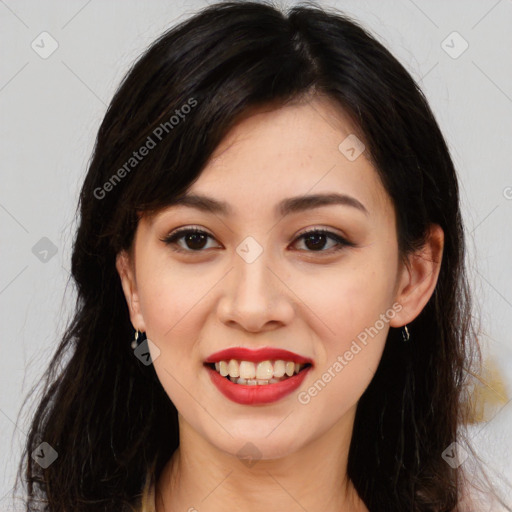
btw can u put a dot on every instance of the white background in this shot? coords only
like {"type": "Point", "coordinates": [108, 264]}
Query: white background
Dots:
{"type": "Point", "coordinates": [51, 109]}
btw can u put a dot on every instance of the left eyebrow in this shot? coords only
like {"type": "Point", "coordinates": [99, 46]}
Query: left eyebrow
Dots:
{"type": "Point", "coordinates": [302, 203]}
{"type": "Point", "coordinates": [284, 207]}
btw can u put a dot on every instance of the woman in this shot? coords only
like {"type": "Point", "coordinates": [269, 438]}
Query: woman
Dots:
{"type": "Point", "coordinates": [272, 204]}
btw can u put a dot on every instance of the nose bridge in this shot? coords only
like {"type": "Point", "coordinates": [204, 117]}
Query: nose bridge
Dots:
{"type": "Point", "coordinates": [252, 276]}
{"type": "Point", "coordinates": [254, 296]}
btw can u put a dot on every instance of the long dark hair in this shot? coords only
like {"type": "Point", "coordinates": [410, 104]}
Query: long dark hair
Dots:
{"type": "Point", "coordinates": [105, 412]}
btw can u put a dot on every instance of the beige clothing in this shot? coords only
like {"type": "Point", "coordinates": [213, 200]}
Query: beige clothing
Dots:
{"type": "Point", "coordinates": [147, 502]}
{"type": "Point", "coordinates": [151, 503]}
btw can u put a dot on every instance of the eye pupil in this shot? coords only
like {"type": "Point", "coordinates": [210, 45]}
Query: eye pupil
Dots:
{"type": "Point", "coordinates": [315, 237]}
{"type": "Point", "coordinates": [194, 237]}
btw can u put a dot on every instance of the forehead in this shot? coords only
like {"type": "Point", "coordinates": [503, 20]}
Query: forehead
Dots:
{"type": "Point", "coordinates": [278, 160]}
{"type": "Point", "coordinates": [295, 122]}
{"type": "Point", "coordinates": [292, 150]}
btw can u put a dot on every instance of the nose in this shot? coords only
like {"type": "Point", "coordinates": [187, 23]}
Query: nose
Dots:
{"type": "Point", "coordinates": [255, 297]}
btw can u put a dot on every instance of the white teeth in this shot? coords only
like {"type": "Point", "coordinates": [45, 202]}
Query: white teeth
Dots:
{"type": "Point", "coordinates": [252, 374]}
{"type": "Point", "coordinates": [264, 370]}
{"type": "Point", "coordinates": [223, 370]}
{"type": "Point", "coordinates": [247, 370]}
{"type": "Point", "coordinates": [253, 382]}
{"type": "Point", "coordinates": [279, 368]}
{"type": "Point", "coordinates": [233, 368]}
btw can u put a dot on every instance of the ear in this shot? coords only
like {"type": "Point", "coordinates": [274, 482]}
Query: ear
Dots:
{"type": "Point", "coordinates": [125, 268]}
{"type": "Point", "coordinates": [418, 277]}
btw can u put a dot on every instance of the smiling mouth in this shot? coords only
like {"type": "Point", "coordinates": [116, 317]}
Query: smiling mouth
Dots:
{"type": "Point", "coordinates": [257, 374]}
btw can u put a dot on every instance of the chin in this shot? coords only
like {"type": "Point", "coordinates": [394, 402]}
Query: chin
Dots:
{"type": "Point", "coordinates": [255, 443]}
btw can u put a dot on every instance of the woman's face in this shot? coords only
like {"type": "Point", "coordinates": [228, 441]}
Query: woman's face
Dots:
{"type": "Point", "coordinates": [254, 281]}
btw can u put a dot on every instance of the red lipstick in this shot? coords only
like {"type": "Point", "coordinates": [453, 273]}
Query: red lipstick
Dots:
{"type": "Point", "coordinates": [256, 355]}
{"type": "Point", "coordinates": [256, 394]}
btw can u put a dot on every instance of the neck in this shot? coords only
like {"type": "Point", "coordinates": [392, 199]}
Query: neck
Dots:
{"type": "Point", "coordinates": [313, 478]}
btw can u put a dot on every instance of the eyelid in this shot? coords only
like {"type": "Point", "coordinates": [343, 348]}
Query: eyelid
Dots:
{"type": "Point", "coordinates": [324, 230]}
{"type": "Point", "coordinates": [186, 229]}
{"type": "Point", "coordinates": [179, 232]}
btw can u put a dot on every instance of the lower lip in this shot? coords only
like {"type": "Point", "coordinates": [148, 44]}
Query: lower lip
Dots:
{"type": "Point", "coordinates": [257, 394]}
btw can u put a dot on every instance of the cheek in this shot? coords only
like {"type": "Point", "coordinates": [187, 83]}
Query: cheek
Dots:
{"type": "Point", "coordinates": [170, 304]}
{"type": "Point", "coordinates": [355, 306]}
{"type": "Point", "coordinates": [357, 315]}
{"type": "Point", "coordinates": [168, 296]}
{"type": "Point", "coordinates": [353, 296]}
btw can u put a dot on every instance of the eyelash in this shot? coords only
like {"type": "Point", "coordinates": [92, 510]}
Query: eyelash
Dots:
{"type": "Point", "coordinates": [172, 238]}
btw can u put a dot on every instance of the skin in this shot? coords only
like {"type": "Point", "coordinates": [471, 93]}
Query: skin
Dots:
{"type": "Point", "coordinates": [296, 295]}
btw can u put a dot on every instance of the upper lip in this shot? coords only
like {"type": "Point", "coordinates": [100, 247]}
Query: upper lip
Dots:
{"type": "Point", "coordinates": [256, 355]}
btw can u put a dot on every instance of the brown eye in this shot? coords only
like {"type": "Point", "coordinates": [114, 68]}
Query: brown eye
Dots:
{"type": "Point", "coordinates": [194, 239]}
{"type": "Point", "coordinates": [315, 240]}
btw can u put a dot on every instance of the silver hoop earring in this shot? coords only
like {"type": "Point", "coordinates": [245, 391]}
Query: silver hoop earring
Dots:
{"type": "Point", "coordinates": [405, 334]}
